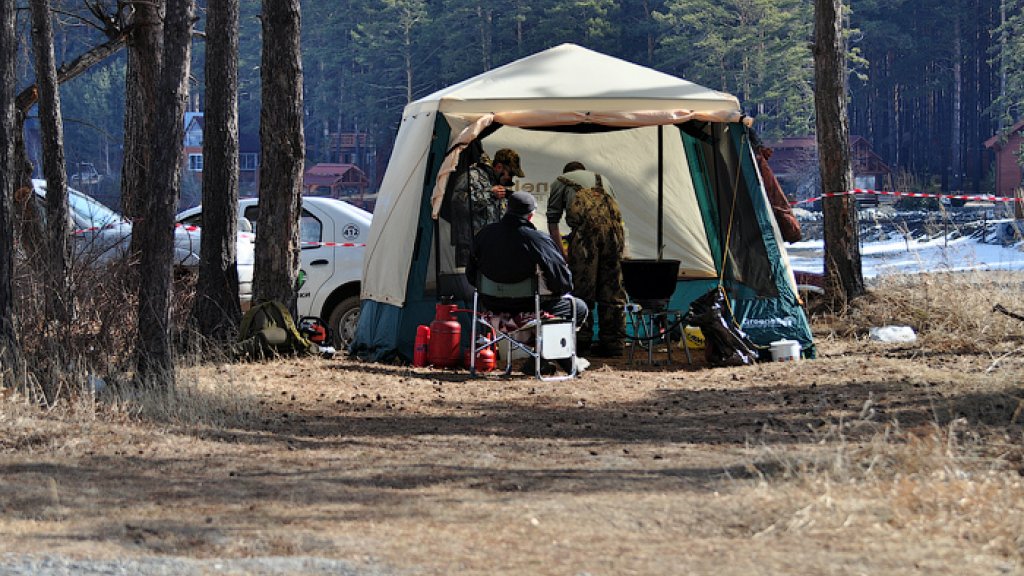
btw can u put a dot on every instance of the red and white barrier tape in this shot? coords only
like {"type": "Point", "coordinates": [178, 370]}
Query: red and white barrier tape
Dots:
{"type": "Point", "coordinates": [982, 198]}
{"type": "Point", "coordinates": [95, 228]}
{"type": "Point", "coordinates": [244, 234]}
{"type": "Point", "coordinates": [335, 244]}
{"type": "Point", "coordinates": [116, 224]}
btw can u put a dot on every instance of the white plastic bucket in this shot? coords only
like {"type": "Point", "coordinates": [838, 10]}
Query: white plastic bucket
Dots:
{"type": "Point", "coordinates": [785, 351]}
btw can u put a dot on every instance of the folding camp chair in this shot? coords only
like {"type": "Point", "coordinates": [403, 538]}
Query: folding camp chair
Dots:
{"type": "Point", "coordinates": [542, 339]}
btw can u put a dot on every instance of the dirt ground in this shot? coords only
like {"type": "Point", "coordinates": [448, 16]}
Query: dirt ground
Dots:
{"type": "Point", "coordinates": [872, 459]}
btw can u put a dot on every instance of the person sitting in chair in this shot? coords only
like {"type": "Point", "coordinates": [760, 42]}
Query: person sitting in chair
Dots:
{"type": "Point", "coordinates": [511, 250]}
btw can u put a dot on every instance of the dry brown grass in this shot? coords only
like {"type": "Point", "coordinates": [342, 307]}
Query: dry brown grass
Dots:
{"type": "Point", "coordinates": [946, 310]}
{"type": "Point", "coordinates": [875, 458]}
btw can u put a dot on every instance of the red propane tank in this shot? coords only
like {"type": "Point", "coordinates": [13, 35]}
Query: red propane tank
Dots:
{"type": "Point", "coordinates": [486, 359]}
{"type": "Point", "coordinates": [420, 347]}
{"type": "Point", "coordinates": [445, 334]}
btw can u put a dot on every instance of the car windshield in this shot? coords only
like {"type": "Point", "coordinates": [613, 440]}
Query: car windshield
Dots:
{"type": "Point", "coordinates": [85, 211]}
{"type": "Point", "coordinates": [88, 212]}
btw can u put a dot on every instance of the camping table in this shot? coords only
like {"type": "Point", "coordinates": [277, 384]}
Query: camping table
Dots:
{"type": "Point", "coordinates": [650, 328]}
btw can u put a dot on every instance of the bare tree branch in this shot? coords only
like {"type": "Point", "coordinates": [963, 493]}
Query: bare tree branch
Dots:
{"type": "Point", "coordinates": [112, 25]}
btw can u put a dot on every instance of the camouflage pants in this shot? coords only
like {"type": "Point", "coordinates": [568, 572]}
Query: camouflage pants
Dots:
{"type": "Point", "coordinates": [596, 266]}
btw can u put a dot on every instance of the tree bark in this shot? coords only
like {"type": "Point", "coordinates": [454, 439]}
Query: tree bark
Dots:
{"type": "Point", "coordinates": [843, 273]}
{"type": "Point", "coordinates": [58, 301]}
{"type": "Point", "coordinates": [484, 15]}
{"type": "Point", "coordinates": [155, 354]}
{"type": "Point", "coordinates": [216, 312]}
{"type": "Point", "coordinates": [956, 138]}
{"type": "Point", "coordinates": [10, 362]}
{"type": "Point", "coordinates": [283, 153]}
{"type": "Point", "coordinates": [144, 53]}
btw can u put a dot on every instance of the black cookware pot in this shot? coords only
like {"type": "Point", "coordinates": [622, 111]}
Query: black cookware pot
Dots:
{"type": "Point", "coordinates": [650, 280]}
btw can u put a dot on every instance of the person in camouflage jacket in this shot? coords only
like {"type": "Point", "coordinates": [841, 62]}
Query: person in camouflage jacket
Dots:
{"type": "Point", "coordinates": [478, 197]}
{"type": "Point", "coordinates": [596, 245]}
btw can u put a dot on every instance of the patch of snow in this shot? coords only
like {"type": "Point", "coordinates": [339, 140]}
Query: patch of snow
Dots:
{"type": "Point", "coordinates": [992, 245]}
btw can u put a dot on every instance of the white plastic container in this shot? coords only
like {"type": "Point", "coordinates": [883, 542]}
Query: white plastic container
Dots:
{"type": "Point", "coordinates": [557, 340]}
{"type": "Point", "coordinates": [785, 351]}
{"type": "Point", "coordinates": [517, 354]}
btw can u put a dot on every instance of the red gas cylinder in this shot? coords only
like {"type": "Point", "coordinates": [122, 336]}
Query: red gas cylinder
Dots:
{"type": "Point", "coordinates": [445, 334]}
{"type": "Point", "coordinates": [486, 359]}
{"type": "Point", "coordinates": [420, 346]}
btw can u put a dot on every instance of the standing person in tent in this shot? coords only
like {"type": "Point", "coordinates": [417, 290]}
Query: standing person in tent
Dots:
{"type": "Point", "coordinates": [480, 192]}
{"type": "Point", "coordinates": [596, 245]}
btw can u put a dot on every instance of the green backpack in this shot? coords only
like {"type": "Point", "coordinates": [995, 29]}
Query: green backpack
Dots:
{"type": "Point", "coordinates": [268, 329]}
{"type": "Point", "coordinates": [594, 211]}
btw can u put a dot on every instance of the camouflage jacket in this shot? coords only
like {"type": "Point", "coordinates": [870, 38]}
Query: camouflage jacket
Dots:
{"type": "Point", "coordinates": [594, 212]}
{"type": "Point", "coordinates": [472, 194]}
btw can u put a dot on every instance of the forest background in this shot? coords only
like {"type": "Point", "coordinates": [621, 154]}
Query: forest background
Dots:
{"type": "Point", "coordinates": [930, 80]}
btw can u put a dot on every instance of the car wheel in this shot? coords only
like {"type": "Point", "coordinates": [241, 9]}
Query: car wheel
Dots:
{"type": "Point", "coordinates": [343, 321]}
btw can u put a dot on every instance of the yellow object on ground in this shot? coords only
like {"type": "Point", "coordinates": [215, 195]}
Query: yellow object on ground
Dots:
{"type": "Point", "coordinates": [694, 338]}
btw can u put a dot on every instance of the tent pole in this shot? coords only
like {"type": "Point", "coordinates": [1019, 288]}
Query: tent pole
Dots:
{"type": "Point", "coordinates": [437, 259]}
{"type": "Point", "coordinates": [661, 187]}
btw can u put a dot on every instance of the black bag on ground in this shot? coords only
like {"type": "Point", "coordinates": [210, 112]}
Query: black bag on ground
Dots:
{"type": "Point", "coordinates": [726, 344]}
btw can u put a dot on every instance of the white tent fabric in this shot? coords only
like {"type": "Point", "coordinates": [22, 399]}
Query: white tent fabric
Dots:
{"type": "Point", "coordinates": [558, 86]}
{"type": "Point", "coordinates": [542, 118]}
{"type": "Point", "coordinates": [557, 78]}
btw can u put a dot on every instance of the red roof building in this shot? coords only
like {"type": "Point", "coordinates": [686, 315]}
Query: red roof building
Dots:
{"type": "Point", "coordinates": [345, 181]}
{"type": "Point", "coordinates": [795, 163]}
{"type": "Point", "coordinates": [1007, 146]}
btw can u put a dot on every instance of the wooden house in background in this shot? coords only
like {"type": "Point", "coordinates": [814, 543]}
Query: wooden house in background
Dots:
{"type": "Point", "coordinates": [343, 181]}
{"type": "Point", "coordinates": [194, 124]}
{"type": "Point", "coordinates": [795, 163]}
{"type": "Point", "coordinates": [248, 155]}
{"type": "Point", "coordinates": [356, 148]}
{"type": "Point", "coordinates": [870, 172]}
{"type": "Point", "coordinates": [248, 164]}
{"type": "Point", "coordinates": [1007, 147]}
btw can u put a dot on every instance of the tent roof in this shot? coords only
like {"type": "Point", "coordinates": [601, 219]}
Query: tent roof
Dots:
{"type": "Point", "coordinates": [546, 80]}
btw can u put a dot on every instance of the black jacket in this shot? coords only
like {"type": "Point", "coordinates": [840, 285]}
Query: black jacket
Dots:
{"type": "Point", "coordinates": [511, 251]}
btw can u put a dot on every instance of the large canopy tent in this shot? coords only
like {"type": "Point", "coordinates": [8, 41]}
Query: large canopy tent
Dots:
{"type": "Point", "coordinates": [677, 156]}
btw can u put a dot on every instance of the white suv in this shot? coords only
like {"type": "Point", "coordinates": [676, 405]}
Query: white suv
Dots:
{"type": "Point", "coordinates": [333, 237]}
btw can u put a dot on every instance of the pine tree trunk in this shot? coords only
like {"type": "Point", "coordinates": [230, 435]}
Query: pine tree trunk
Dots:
{"type": "Point", "coordinates": [484, 16]}
{"type": "Point", "coordinates": [155, 355]}
{"type": "Point", "coordinates": [216, 312]}
{"type": "Point", "coordinates": [956, 138]}
{"type": "Point", "coordinates": [842, 250]}
{"type": "Point", "coordinates": [408, 56]}
{"type": "Point", "coordinates": [144, 54]}
{"type": "Point", "coordinates": [59, 304]}
{"type": "Point", "coordinates": [282, 147]}
{"type": "Point", "coordinates": [9, 349]}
